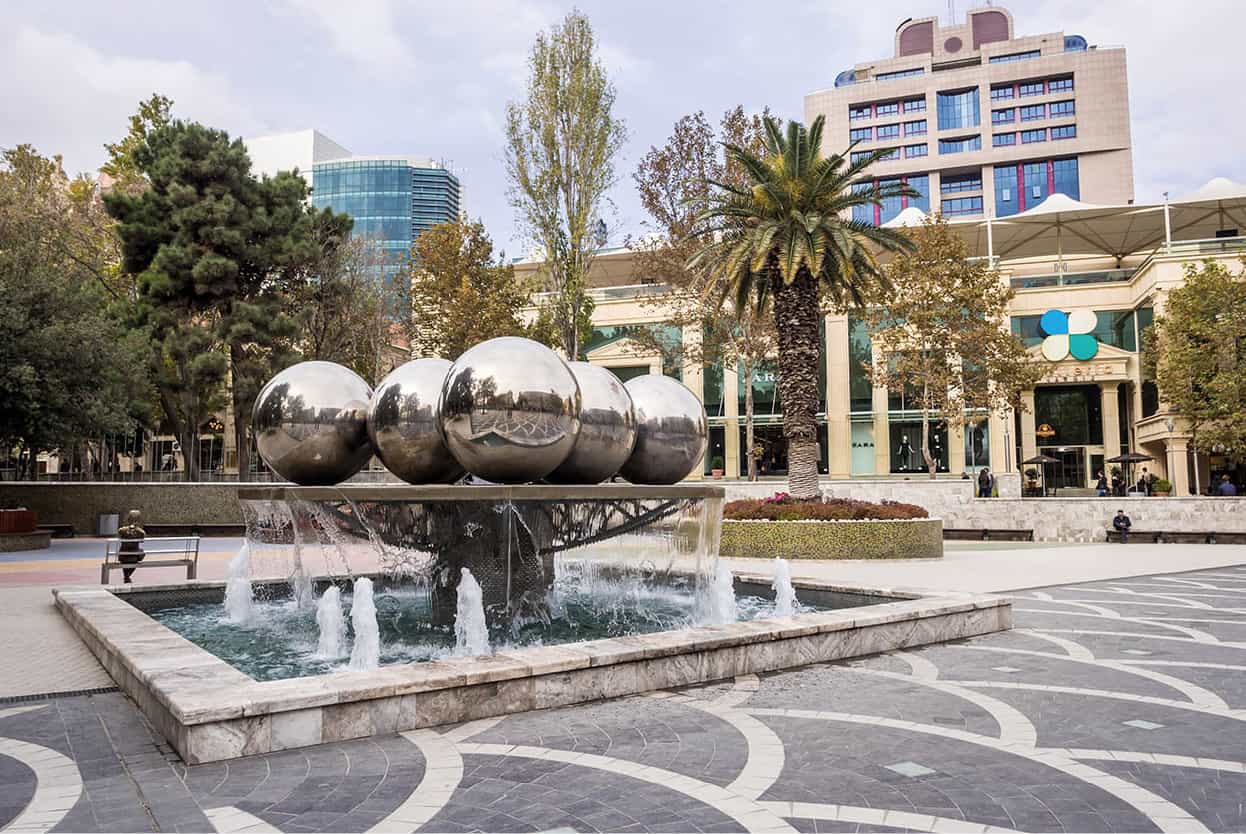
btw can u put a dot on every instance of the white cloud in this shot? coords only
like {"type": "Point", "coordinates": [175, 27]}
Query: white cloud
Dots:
{"type": "Point", "coordinates": [65, 96]}
{"type": "Point", "coordinates": [366, 31]}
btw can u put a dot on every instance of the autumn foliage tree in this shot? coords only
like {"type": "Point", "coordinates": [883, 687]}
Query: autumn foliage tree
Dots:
{"type": "Point", "coordinates": [945, 332]}
{"type": "Point", "coordinates": [1197, 352]}
{"type": "Point", "coordinates": [673, 183]}
{"type": "Point", "coordinates": [462, 294]}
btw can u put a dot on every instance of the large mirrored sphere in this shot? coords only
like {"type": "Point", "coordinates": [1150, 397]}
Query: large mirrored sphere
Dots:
{"type": "Point", "coordinates": [404, 427]}
{"type": "Point", "coordinates": [510, 410]}
{"type": "Point", "coordinates": [671, 431]}
{"type": "Point", "coordinates": [311, 423]}
{"type": "Point", "coordinates": [607, 428]}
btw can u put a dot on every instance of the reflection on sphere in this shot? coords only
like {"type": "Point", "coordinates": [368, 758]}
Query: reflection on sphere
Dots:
{"type": "Point", "coordinates": [404, 425]}
{"type": "Point", "coordinates": [671, 431]}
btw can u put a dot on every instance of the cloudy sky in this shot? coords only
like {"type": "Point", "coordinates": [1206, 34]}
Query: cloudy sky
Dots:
{"type": "Point", "coordinates": [433, 78]}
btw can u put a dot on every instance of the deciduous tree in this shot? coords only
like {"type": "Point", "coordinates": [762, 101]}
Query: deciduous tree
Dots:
{"type": "Point", "coordinates": [1197, 352]}
{"type": "Point", "coordinates": [673, 183]}
{"type": "Point", "coordinates": [562, 140]}
{"type": "Point", "coordinates": [462, 294]}
{"type": "Point", "coordinates": [945, 331]}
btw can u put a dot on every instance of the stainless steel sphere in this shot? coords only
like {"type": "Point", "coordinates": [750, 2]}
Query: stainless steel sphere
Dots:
{"type": "Point", "coordinates": [607, 428]}
{"type": "Point", "coordinates": [311, 423]}
{"type": "Point", "coordinates": [404, 427]}
{"type": "Point", "coordinates": [510, 410]}
{"type": "Point", "coordinates": [671, 431]}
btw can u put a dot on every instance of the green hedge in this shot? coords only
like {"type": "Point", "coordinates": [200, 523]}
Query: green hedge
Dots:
{"type": "Point", "coordinates": [912, 539]}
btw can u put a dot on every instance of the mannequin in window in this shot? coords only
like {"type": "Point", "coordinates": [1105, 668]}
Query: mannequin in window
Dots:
{"type": "Point", "coordinates": [906, 453]}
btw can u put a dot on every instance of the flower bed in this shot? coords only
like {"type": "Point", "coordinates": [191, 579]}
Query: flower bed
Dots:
{"type": "Point", "coordinates": [832, 529]}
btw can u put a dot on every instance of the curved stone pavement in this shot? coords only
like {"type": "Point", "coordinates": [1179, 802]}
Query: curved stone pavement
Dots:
{"type": "Point", "coordinates": [1116, 705]}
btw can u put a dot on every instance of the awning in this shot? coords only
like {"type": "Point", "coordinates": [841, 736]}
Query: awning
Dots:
{"type": "Point", "coordinates": [1062, 226]}
{"type": "Point", "coordinates": [911, 216]}
{"type": "Point", "coordinates": [1219, 207]}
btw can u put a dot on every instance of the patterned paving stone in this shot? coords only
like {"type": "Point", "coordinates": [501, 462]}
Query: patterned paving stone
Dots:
{"type": "Point", "coordinates": [1095, 732]}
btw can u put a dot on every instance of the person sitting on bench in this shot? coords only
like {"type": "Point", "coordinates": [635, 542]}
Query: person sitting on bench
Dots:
{"type": "Point", "coordinates": [1122, 524]}
{"type": "Point", "coordinates": [131, 550]}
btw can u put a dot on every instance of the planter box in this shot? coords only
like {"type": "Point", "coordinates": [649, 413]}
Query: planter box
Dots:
{"type": "Point", "coordinates": [917, 538]}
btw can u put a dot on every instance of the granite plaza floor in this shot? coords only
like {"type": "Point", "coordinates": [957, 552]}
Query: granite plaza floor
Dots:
{"type": "Point", "coordinates": [1116, 705]}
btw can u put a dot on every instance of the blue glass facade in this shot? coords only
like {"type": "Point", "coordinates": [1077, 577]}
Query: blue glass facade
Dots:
{"type": "Point", "coordinates": [891, 206]}
{"type": "Point", "coordinates": [959, 109]}
{"type": "Point", "coordinates": [1024, 186]}
{"type": "Point", "coordinates": [391, 200]}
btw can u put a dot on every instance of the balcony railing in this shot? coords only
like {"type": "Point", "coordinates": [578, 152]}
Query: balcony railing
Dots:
{"type": "Point", "coordinates": [1072, 279]}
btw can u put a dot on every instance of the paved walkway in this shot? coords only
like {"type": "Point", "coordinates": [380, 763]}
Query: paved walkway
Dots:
{"type": "Point", "coordinates": [1114, 706]}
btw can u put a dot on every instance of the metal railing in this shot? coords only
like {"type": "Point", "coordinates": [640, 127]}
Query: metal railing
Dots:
{"type": "Point", "coordinates": [1072, 279]}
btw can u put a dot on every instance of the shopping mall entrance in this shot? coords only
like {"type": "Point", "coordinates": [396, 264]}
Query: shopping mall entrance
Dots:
{"type": "Point", "coordinates": [1071, 471]}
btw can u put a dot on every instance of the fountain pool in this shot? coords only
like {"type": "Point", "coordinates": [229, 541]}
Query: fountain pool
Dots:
{"type": "Point", "coordinates": [576, 594]}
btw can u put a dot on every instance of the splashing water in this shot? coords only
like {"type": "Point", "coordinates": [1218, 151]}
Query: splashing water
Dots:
{"type": "Point", "coordinates": [239, 603]}
{"type": "Point", "coordinates": [471, 634]}
{"type": "Point", "coordinates": [331, 623]}
{"type": "Point", "coordinates": [784, 593]}
{"type": "Point", "coordinates": [365, 654]}
{"type": "Point", "coordinates": [721, 604]}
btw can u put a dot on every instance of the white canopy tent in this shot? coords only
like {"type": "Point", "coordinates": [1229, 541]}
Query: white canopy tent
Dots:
{"type": "Point", "coordinates": [1063, 226]}
{"type": "Point", "coordinates": [911, 216]}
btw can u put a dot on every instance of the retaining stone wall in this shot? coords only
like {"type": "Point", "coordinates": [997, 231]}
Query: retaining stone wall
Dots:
{"type": "Point", "coordinates": [80, 503]}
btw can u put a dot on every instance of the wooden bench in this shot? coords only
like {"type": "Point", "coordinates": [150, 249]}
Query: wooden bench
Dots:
{"type": "Point", "coordinates": [186, 548]}
{"type": "Point", "coordinates": [1178, 537]}
{"type": "Point", "coordinates": [196, 529]}
{"type": "Point", "coordinates": [983, 534]}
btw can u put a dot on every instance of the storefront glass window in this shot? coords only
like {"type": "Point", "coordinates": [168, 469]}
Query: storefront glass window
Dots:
{"type": "Point", "coordinates": [1073, 412]}
{"type": "Point", "coordinates": [906, 443]}
{"type": "Point", "coordinates": [652, 338]}
{"type": "Point", "coordinates": [860, 387]}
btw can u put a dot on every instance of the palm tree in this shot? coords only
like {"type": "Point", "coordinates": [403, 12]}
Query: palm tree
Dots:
{"type": "Point", "coordinates": [782, 238]}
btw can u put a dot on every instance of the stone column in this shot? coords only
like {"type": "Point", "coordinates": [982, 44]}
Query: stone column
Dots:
{"type": "Point", "coordinates": [1000, 451]}
{"type": "Point", "coordinates": [838, 398]}
{"type": "Point", "coordinates": [882, 431]}
{"type": "Point", "coordinates": [956, 447]}
{"type": "Point", "coordinates": [1029, 440]}
{"type": "Point", "coordinates": [731, 429]}
{"type": "Point", "coordinates": [1111, 422]}
{"type": "Point", "coordinates": [1178, 465]}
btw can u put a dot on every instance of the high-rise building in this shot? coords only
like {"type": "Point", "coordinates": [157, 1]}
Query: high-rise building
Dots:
{"type": "Point", "coordinates": [984, 123]}
{"type": "Point", "coordinates": [391, 198]}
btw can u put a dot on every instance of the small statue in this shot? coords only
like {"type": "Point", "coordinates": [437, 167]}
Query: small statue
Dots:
{"type": "Point", "coordinates": [131, 535]}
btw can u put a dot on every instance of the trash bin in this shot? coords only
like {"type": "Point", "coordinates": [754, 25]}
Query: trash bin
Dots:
{"type": "Point", "coordinates": [108, 524]}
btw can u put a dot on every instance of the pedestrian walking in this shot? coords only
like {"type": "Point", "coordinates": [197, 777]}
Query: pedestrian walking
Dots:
{"type": "Point", "coordinates": [1227, 488]}
{"type": "Point", "coordinates": [1101, 487]}
{"type": "Point", "coordinates": [986, 483]}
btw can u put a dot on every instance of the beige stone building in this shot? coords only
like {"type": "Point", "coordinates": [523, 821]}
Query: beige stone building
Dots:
{"type": "Point", "coordinates": [1100, 275]}
{"type": "Point", "coordinates": [982, 122]}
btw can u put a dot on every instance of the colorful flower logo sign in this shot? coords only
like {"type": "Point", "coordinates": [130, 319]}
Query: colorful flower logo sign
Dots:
{"type": "Point", "coordinates": [1069, 334]}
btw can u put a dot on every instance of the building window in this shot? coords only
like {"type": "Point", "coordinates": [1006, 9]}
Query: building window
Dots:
{"type": "Point", "coordinates": [886, 209]}
{"type": "Point", "coordinates": [858, 156]}
{"type": "Point", "coordinates": [961, 182]}
{"type": "Point", "coordinates": [962, 205]}
{"type": "Point", "coordinates": [1029, 137]}
{"type": "Point", "coordinates": [1033, 88]}
{"type": "Point", "coordinates": [911, 151]}
{"type": "Point", "coordinates": [1002, 92]}
{"type": "Point", "coordinates": [1002, 140]}
{"type": "Point", "coordinates": [1060, 85]}
{"type": "Point", "coordinates": [887, 132]}
{"type": "Point", "coordinates": [860, 112]}
{"type": "Point", "coordinates": [1033, 112]}
{"type": "Point", "coordinates": [915, 105]}
{"type": "Point", "coordinates": [1062, 108]}
{"type": "Point", "coordinates": [968, 143]}
{"type": "Point", "coordinates": [1064, 132]}
{"type": "Point", "coordinates": [1006, 197]}
{"type": "Point", "coordinates": [1064, 178]}
{"type": "Point", "coordinates": [1016, 56]}
{"type": "Point", "coordinates": [1034, 176]}
{"type": "Point", "coordinates": [905, 73]}
{"type": "Point", "coordinates": [959, 109]}
{"type": "Point", "coordinates": [1004, 117]}
{"type": "Point", "coordinates": [859, 134]}
{"type": "Point", "coordinates": [917, 128]}
{"type": "Point", "coordinates": [890, 154]}
{"type": "Point", "coordinates": [891, 108]}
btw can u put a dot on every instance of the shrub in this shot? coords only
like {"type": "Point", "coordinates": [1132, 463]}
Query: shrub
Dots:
{"type": "Point", "coordinates": [1162, 485]}
{"type": "Point", "coordinates": [782, 507]}
{"type": "Point", "coordinates": [716, 462]}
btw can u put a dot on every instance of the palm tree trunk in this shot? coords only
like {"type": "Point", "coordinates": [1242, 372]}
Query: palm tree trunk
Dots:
{"type": "Point", "coordinates": [796, 313]}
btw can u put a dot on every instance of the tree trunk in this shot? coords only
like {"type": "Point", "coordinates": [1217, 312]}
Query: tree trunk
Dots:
{"type": "Point", "coordinates": [796, 313]}
{"type": "Point", "coordinates": [751, 466]}
{"type": "Point", "coordinates": [932, 465]}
